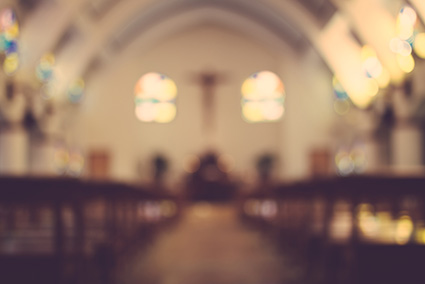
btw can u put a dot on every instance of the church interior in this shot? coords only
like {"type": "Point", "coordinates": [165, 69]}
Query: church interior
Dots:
{"type": "Point", "coordinates": [212, 141]}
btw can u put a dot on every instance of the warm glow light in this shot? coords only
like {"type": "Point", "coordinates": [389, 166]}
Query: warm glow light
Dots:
{"type": "Point", "coordinates": [165, 112]}
{"type": "Point", "coordinates": [406, 63]}
{"type": "Point", "coordinates": [155, 98]}
{"type": "Point", "coordinates": [404, 30]}
{"type": "Point", "coordinates": [268, 209]}
{"type": "Point", "coordinates": [9, 33]}
{"type": "Point", "coordinates": [367, 221]}
{"type": "Point", "coordinates": [406, 21]}
{"type": "Point", "coordinates": [146, 112]}
{"type": "Point", "coordinates": [362, 93]}
{"type": "Point", "coordinates": [372, 88]}
{"type": "Point", "coordinates": [367, 52]}
{"type": "Point", "coordinates": [341, 222]}
{"type": "Point", "coordinates": [360, 99]}
{"type": "Point", "coordinates": [11, 63]}
{"type": "Point", "coordinates": [351, 160]}
{"type": "Point", "coordinates": [345, 165]}
{"type": "Point", "coordinates": [252, 111]}
{"type": "Point", "coordinates": [249, 89]}
{"type": "Point", "coordinates": [61, 159]}
{"type": "Point", "coordinates": [408, 16]}
{"type": "Point", "coordinates": [404, 230]}
{"type": "Point", "coordinates": [12, 32]}
{"type": "Point", "coordinates": [267, 82]}
{"type": "Point", "coordinates": [76, 162]}
{"type": "Point", "coordinates": [384, 79]}
{"type": "Point", "coordinates": [262, 97]}
{"type": "Point", "coordinates": [419, 45]}
{"type": "Point", "coordinates": [404, 48]}
{"type": "Point", "coordinates": [373, 67]}
{"type": "Point", "coordinates": [358, 157]}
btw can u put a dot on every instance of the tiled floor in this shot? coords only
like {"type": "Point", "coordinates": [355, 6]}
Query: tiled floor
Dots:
{"type": "Point", "coordinates": [208, 246]}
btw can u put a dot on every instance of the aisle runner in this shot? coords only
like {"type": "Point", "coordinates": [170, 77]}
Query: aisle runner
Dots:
{"type": "Point", "coordinates": [209, 246]}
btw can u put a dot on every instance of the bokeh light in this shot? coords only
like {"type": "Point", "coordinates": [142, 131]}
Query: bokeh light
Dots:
{"type": "Point", "coordinates": [371, 64]}
{"type": "Point", "coordinates": [9, 46]}
{"type": "Point", "coordinates": [342, 102]}
{"type": "Point", "coordinates": [76, 162]}
{"type": "Point", "coordinates": [45, 68]}
{"type": "Point", "coordinates": [384, 79]}
{"type": "Point", "coordinates": [408, 39]}
{"type": "Point", "coordinates": [263, 97]}
{"type": "Point", "coordinates": [341, 223]}
{"type": "Point", "coordinates": [404, 230]}
{"type": "Point", "coordinates": [339, 91]}
{"type": "Point", "coordinates": [11, 63]}
{"type": "Point", "coordinates": [61, 159]}
{"type": "Point", "coordinates": [406, 63]}
{"type": "Point", "coordinates": [268, 209]}
{"type": "Point", "coordinates": [155, 96]}
{"type": "Point", "coordinates": [76, 91]}
{"type": "Point", "coordinates": [342, 107]}
{"type": "Point", "coordinates": [351, 160]}
{"type": "Point", "coordinates": [406, 21]}
{"type": "Point", "coordinates": [419, 45]}
{"type": "Point", "coordinates": [367, 221]}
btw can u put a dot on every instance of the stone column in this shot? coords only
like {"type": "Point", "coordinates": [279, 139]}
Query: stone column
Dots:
{"type": "Point", "coordinates": [406, 146]}
{"type": "Point", "coordinates": [13, 135]}
{"type": "Point", "coordinates": [42, 157]}
{"type": "Point", "coordinates": [365, 125]}
{"type": "Point", "coordinates": [13, 150]}
{"type": "Point", "coordinates": [43, 150]}
{"type": "Point", "coordinates": [406, 138]}
{"type": "Point", "coordinates": [368, 124]}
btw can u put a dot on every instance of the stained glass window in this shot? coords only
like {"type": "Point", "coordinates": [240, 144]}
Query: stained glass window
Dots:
{"type": "Point", "coordinates": [9, 33]}
{"type": "Point", "coordinates": [155, 99]}
{"type": "Point", "coordinates": [263, 97]}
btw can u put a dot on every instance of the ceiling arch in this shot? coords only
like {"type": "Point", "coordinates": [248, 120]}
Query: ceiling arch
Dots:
{"type": "Point", "coordinates": [94, 39]}
{"type": "Point", "coordinates": [95, 29]}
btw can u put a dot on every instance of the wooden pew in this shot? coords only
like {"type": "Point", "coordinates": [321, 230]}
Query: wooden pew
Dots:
{"type": "Point", "coordinates": [71, 231]}
{"type": "Point", "coordinates": [349, 230]}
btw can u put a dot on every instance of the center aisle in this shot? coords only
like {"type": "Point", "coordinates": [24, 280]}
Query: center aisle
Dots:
{"type": "Point", "coordinates": [208, 246]}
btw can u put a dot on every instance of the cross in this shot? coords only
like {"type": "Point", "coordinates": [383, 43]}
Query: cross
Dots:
{"type": "Point", "coordinates": [208, 81]}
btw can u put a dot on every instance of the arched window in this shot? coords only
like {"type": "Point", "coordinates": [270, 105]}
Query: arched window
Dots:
{"type": "Point", "coordinates": [9, 33]}
{"type": "Point", "coordinates": [155, 99]}
{"type": "Point", "coordinates": [263, 97]}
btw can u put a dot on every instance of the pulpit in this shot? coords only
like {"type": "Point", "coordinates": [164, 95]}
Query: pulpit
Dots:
{"type": "Point", "coordinates": [209, 182]}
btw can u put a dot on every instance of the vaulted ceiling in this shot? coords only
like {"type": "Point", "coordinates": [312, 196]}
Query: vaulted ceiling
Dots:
{"type": "Point", "coordinates": [85, 33]}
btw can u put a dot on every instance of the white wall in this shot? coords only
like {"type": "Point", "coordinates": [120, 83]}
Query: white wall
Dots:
{"type": "Point", "coordinates": [309, 113]}
{"type": "Point", "coordinates": [107, 118]}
